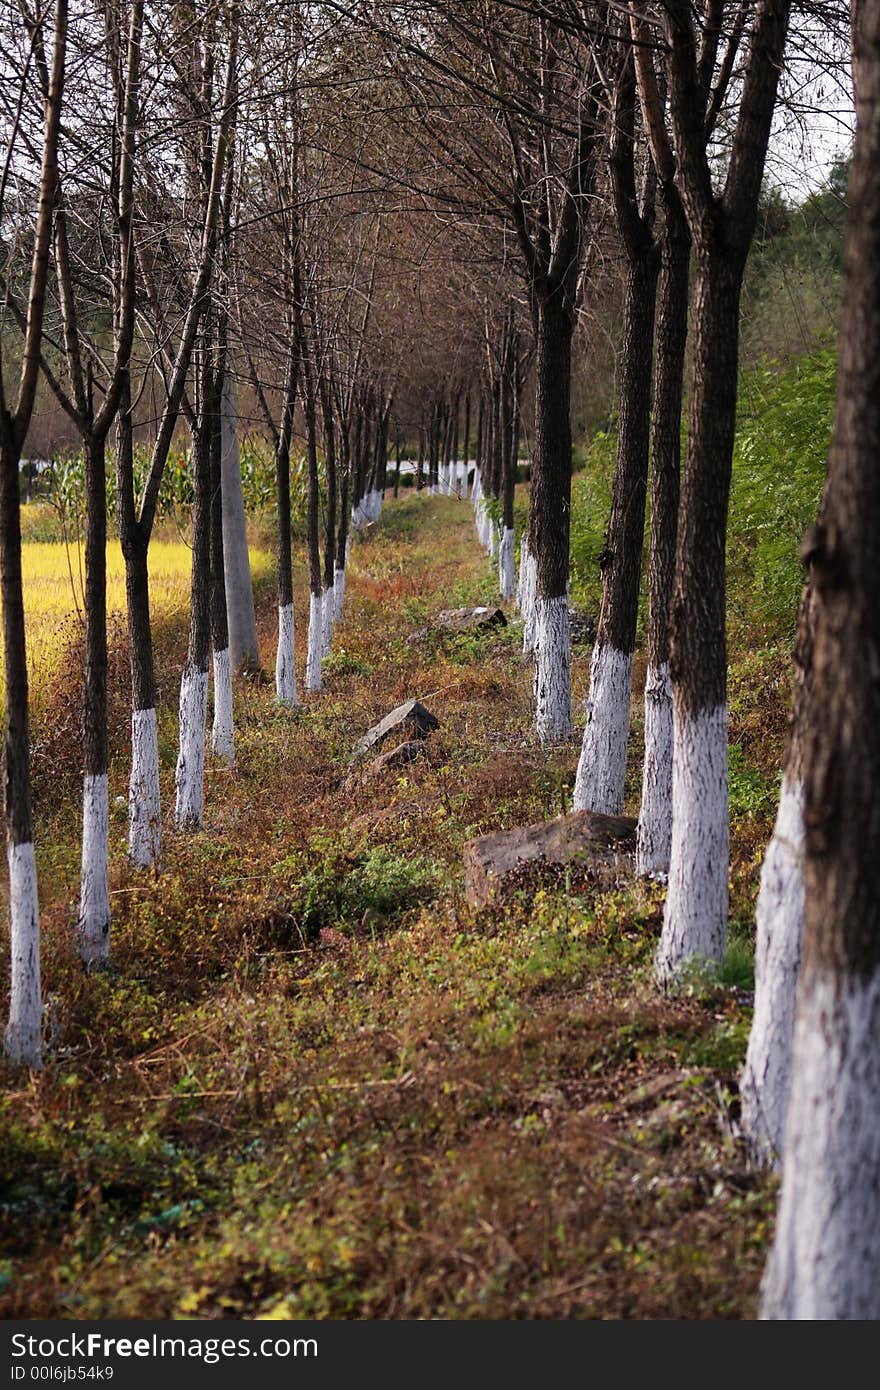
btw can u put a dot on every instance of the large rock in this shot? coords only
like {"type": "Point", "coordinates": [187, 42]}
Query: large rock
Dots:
{"type": "Point", "coordinates": [470, 619]}
{"type": "Point", "coordinates": [411, 719]}
{"type": "Point", "coordinates": [584, 839]}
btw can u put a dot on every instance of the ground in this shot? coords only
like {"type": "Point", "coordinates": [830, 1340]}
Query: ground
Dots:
{"type": "Point", "coordinates": [315, 1081]}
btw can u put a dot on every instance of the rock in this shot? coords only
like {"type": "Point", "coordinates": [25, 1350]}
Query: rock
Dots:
{"type": "Point", "coordinates": [470, 619]}
{"type": "Point", "coordinates": [411, 718]}
{"type": "Point", "coordinates": [584, 838]}
{"type": "Point", "coordinates": [395, 757]}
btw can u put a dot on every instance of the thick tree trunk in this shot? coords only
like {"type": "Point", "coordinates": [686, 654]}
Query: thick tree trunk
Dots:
{"type": "Point", "coordinates": [826, 1252]}
{"type": "Point", "coordinates": [94, 900]}
{"type": "Point", "coordinates": [243, 648]}
{"type": "Point", "coordinates": [549, 518]}
{"type": "Point", "coordinates": [695, 919]}
{"type": "Point", "coordinates": [601, 772]}
{"type": "Point", "coordinates": [766, 1080]}
{"type": "Point", "coordinates": [23, 1032]}
{"type": "Point", "coordinates": [654, 836]}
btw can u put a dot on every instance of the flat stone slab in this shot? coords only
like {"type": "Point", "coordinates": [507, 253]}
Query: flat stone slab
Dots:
{"type": "Point", "coordinates": [411, 719]}
{"type": "Point", "coordinates": [470, 619]}
{"type": "Point", "coordinates": [585, 838]}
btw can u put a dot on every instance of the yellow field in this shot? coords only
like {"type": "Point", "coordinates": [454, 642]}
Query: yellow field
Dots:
{"type": "Point", "coordinates": [53, 586]}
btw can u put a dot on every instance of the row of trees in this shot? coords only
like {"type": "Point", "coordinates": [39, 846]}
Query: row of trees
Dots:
{"type": "Point", "coordinates": [257, 186]}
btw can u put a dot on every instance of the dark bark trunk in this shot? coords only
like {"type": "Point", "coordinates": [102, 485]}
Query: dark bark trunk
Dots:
{"type": "Point", "coordinates": [672, 314]}
{"type": "Point", "coordinates": [698, 649]}
{"type": "Point", "coordinates": [330, 469]}
{"type": "Point", "coordinates": [397, 454]}
{"type": "Point", "coordinates": [135, 545]}
{"type": "Point", "coordinates": [420, 466]}
{"type": "Point", "coordinates": [219, 615]}
{"type": "Point", "coordinates": [312, 515]}
{"type": "Point", "coordinates": [95, 684]}
{"type": "Point", "coordinates": [621, 559]}
{"type": "Point", "coordinates": [467, 439]}
{"type": "Point", "coordinates": [199, 648]}
{"type": "Point", "coordinates": [345, 487]}
{"type": "Point", "coordinates": [550, 509]}
{"type": "Point", "coordinates": [17, 765]}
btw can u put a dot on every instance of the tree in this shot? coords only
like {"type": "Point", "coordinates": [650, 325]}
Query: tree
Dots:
{"type": "Point", "coordinates": [721, 226]}
{"type": "Point", "coordinates": [827, 1247]}
{"type": "Point", "coordinates": [23, 1031]}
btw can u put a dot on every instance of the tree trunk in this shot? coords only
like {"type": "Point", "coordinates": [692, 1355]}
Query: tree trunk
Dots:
{"type": "Point", "coordinates": [285, 671]}
{"type": "Point", "coordinates": [601, 773]}
{"type": "Point", "coordinates": [826, 1252]}
{"type": "Point", "coordinates": [766, 1080]}
{"type": "Point", "coordinates": [243, 648]}
{"type": "Point", "coordinates": [695, 919]}
{"type": "Point", "coordinates": [223, 729]}
{"type": "Point", "coordinates": [23, 1032]}
{"type": "Point", "coordinates": [328, 600]}
{"type": "Point", "coordinates": [549, 518]}
{"type": "Point", "coordinates": [316, 614]}
{"type": "Point", "coordinates": [342, 534]}
{"type": "Point", "coordinates": [190, 772]}
{"type": "Point", "coordinates": [654, 837]}
{"type": "Point", "coordinates": [94, 901]}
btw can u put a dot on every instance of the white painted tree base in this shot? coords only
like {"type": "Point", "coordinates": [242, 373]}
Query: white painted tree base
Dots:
{"type": "Point", "coordinates": [654, 834]}
{"type": "Point", "coordinates": [315, 643]}
{"type": "Point", "coordinates": [766, 1079]}
{"type": "Point", "coordinates": [189, 776]}
{"type": "Point", "coordinates": [93, 927]}
{"type": "Point", "coordinates": [328, 610]}
{"type": "Point", "coordinates": [506, 569]}
{"type": "Point", "coordinates": [552, 670]}
{"type": "Point", "coordinates": [601, 771]}
{"type": "Point", "coordinates": [144, 803]}
{"type": "Point", "coordinates": [695, 920]}
{"type": "Point", "coordinates": [285, 673]}
{"type": "Point", "coordinates": [826, 1254]}
{"type": "Point", "coordinates": [23, 1041]}
{"type": "Point", "coordinates": [521, 575]}
{"type": "Point", "coordinates": [338, 593]}
{"type": "Point", "coordinates": [223, 728]}
{"type": "Point", "coordinates": [527, 605]}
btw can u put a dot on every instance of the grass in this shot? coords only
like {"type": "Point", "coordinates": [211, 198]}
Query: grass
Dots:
{"type": "Point", "coordinates": [316, 1081]}
{"type": "Point", "coordinates": [53, 576]}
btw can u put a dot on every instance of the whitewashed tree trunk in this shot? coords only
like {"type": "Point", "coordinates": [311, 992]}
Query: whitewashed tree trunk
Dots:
{"type": "Point", "coordinates": [144, 801]}
{"type": "Point", "coordinates": [695, 919]}
{"type": "Point", "coordinates": [223, 730]}
{"type": "Point", "coordinates": [315, 643]}
{"type": "Point", "coordinates": [528, 607]}
{"type": "Point", "coordinates": [328, 610]}
{"type": "Point", "coordinates": [601, 772]}
{"type": "Point", "coordinates": [23, 1041]}
{"type": "Point", "coordinates": [189, 776]}
{"type": "Point", "coordinates": [766, 1080]}
{"type": "Point", "coordinates": [654, 835]}
{"type": "Point", "coordinates": [338, 593]}
{"type": "Point", "coordinates": [93, 927]}
{"type": "Point", "coordinates": [240, 613]}
{"type": "Point", "coordinates": [552, 673]}
{"type": "Point", "coordinates": [506, 569]}
{"type": "Point", "coordinates": [521, 574]}
{"type": "Point", "coordinates": [285, 672]}
{"type": "Point", "coordinates": [824, 1263]}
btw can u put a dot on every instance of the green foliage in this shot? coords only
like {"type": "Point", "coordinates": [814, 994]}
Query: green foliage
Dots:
{"type": "Point", "coordinates": [778, 473]}
{"type": "Point", "coordinates": [590, 509]}
{"type": "Point", "coordinates": [341, 887]}
{"type": "Point", "coordinates": [751, 792]}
